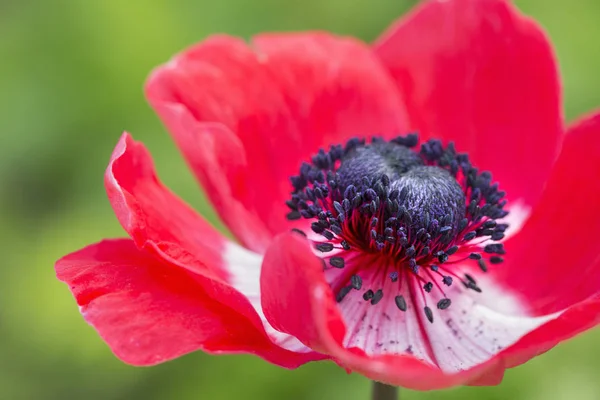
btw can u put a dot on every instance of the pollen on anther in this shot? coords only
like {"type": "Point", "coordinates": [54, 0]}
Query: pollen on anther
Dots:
{"type": "Point", "coordinates": [412, 263]}
{"type": "Point", "coordinates": [324, 247]}
{"type": "Point", "coordinates": [496, 248]}
{"type": "Point", "coordinates": [482, 265]}
{"type": "Point", "coordinates": [327, 234]}
{"type": "Point", "coordinates": [342, 293]}
{"type": "Point", "coordinates": [400, 303]}
{"type": "Point", "coordinates": [452, 250]}
{"type": "Point", "coordinates": [356, 282]}
{"type": "Point", "coordinates": [428, 314]}
{"type": "Point", "coordinates": [377, 297]}
{"type": "Point", "coordinates": [469, 235]}
{"type": "Point", "coordinates": [294, 215]}
{"type": "Point", "coordinates": [443, 304]}
{"type": "Point", "coordinates": [337, 262]}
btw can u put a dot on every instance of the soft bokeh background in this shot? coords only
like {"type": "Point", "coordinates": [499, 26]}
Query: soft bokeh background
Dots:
{"type": "Point", "coordinates": [71, 80]}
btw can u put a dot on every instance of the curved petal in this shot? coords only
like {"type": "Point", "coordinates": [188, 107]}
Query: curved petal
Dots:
{"type": "Point", "coordinates": [246, 117]}
{"type": "Point", "coordinates": [473, 330]}
{"type": "Point", "coordinates": [554, 262]}
{"type": "Point", "coordinates": [484, 76]}
{"type": "Point", "coordinates": [572, 321]}
{"type": "Point", "coordinates": [149, 311]}
{"type": "Point", "coordinates": [292, 278]}
{"type": "Point", "coordinates": [163, 225]}
{"type": "Point", "coordinates": [149, 212]}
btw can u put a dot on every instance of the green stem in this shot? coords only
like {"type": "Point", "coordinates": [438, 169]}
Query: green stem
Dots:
{"type": "Point", "coordinates": [381, 391]}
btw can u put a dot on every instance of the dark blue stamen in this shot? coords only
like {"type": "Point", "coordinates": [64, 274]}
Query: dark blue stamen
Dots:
{"type": "Point", "coordinates": [442, 257]}
{"type": "Point", "coordinates": [294, 215]}
{"type": "Point", "coordinates": [328, 235]}
{"type": "Point", "coordinates": [469, 235]}
{"type": "Point", "coordinates": [317, 227]}
{"type": "Point", "coordinates": [368, 295]}
{"type": "Point", "coordinates": [497, 248]}
{"type": "Point", "coordinates": [482, 265]}
{"type": "Point", "coordinates": [472, 285]}
{"type": "Point", "coordinates": [337, 262]}
{"type": "Point", "coordinates": [324, 247]}
{"type": "Point", "coordinates": [356, 282]}
{"type": "Point", "coordinates": [497, 235]}
{"type": "Point", "coordinates": [501, 227]}
{"type": "Point", "coordinates": [414, 267]}
{"type": "Point", "coordinates": [496, 259]}
{"type": "Point", "coordinates": [342, 293]}
{"type": "Point", "coordinates": [489, 224]}
{"type": "Point", "coordinates": [409, 140]}
{"type": "Point", "coordinates": [336, 229]}
{"type": "Point", "coordinates": [452, 250]}
{"type": "Point", "coordinates": [410, 207]}
{"type": "Point", "coordinates": [428, 314]}
{"type": "Point", "coordinates": [447, 280]}
{"type": "Point", "coordinates": [377, 297]}
{"type": "Point", "coordinates": [400, 303]}
{"type": "Point", "coordinates": [443, 304]}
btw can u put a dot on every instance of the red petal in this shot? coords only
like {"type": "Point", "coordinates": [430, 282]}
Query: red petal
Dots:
{"type": "Point", "coordinates": [160, 223]}
{"type": "Point", "coordinates": [246, 117]}
{"type": "Point", "coordinates": [553, 262]}
{"type": "Point", "coordinates": [149, 311]}
{"type": "Point", "coordinates": [575, 320]}
{"type": "Point", "coordinates": [292, 279]}
{"type": "Point", "coordinates": [149, 212]}
{"type": "Point", "coordinates": [481, 74]}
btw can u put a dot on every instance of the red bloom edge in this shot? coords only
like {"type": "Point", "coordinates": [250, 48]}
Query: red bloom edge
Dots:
{"type": "Point", "coordinates": [149, 298]}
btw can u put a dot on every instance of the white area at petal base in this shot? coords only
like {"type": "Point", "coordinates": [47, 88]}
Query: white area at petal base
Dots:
{"type": "Point", "coordinates": [244, 267]}
{"type": "Point", "coordinates": [518, 213]}
{"type": "Point", "coordinates": [475, 328]}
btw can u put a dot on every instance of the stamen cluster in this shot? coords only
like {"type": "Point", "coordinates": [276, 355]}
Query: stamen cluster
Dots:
{"type": "Point", "coordinates": [421, 211]}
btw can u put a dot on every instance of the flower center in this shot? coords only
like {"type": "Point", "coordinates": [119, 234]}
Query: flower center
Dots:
{"type": "Point", "coordinates": [384, 210]}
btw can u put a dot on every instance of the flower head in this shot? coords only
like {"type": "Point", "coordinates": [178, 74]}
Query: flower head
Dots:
{"type": "Point", "coordinates": [425, 261]}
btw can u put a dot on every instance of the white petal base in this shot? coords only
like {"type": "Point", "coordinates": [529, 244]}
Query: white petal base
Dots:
{"type": "Point", "coordinates": [471, 331]}
{"type": "Point", "coordinates": [244, 267]}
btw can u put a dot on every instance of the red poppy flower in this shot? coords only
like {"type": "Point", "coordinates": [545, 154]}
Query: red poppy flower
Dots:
{"type": "Point", "coordinates": [394, 255]}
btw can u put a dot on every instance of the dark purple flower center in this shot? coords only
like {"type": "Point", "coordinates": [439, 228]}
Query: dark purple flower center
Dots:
{"type": "Point", "coordinates": [407, 214]}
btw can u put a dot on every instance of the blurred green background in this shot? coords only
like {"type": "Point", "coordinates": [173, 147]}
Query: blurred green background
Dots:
{"type": "Point", "coordinates": [71, 81]}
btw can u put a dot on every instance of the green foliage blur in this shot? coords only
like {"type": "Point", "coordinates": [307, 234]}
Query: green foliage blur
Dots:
{"type": "Point", "coordinates": [71, 81]}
